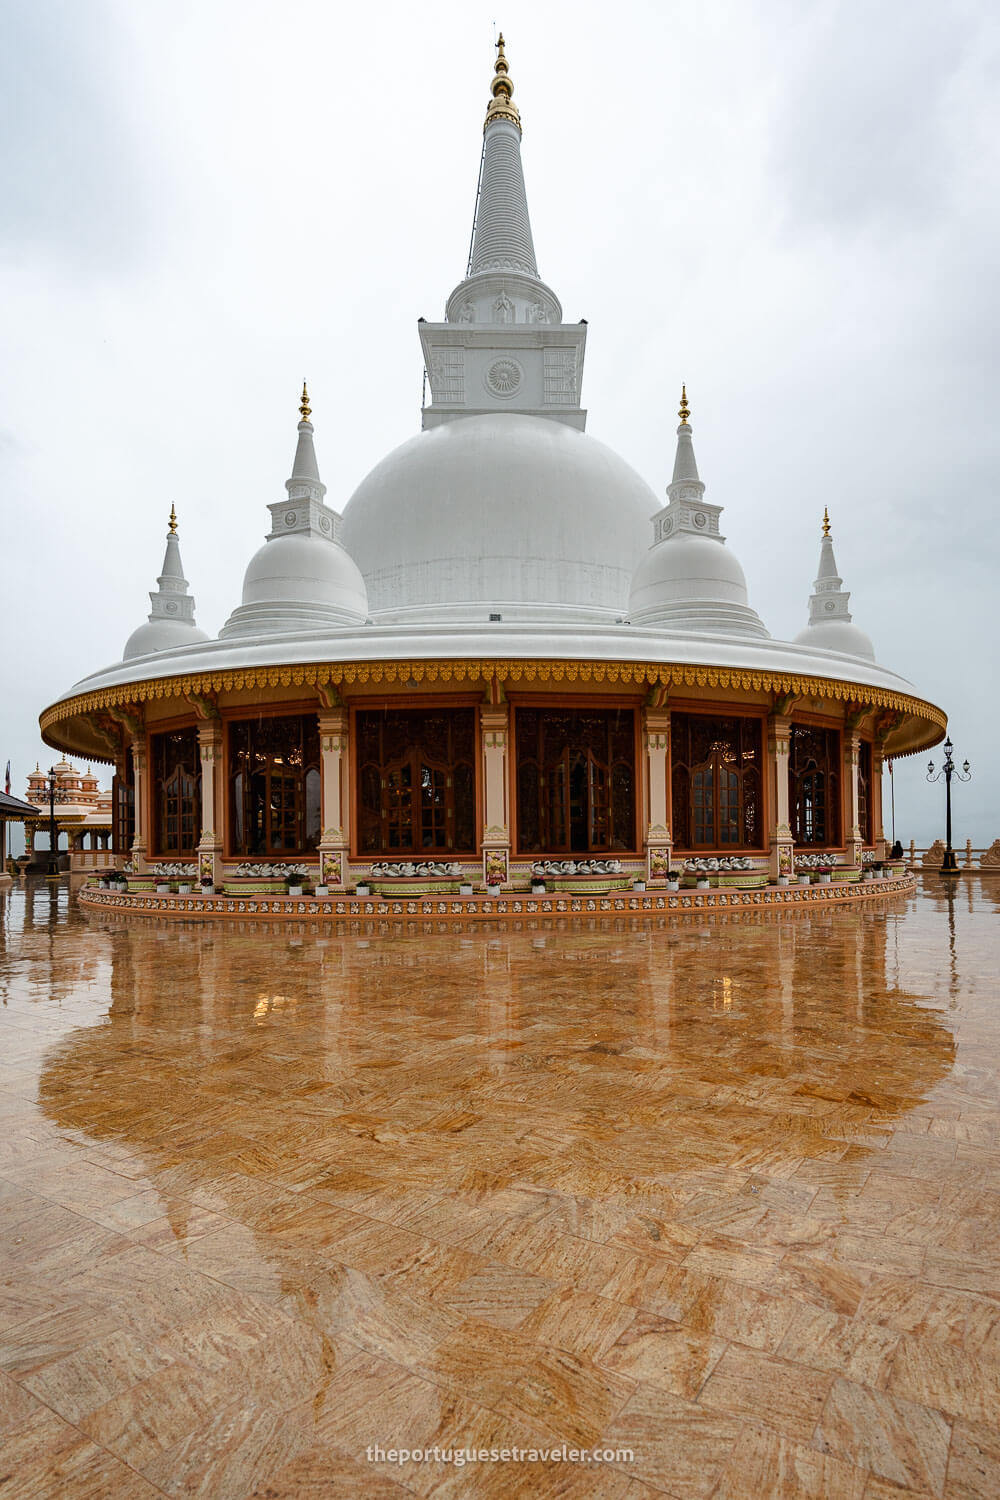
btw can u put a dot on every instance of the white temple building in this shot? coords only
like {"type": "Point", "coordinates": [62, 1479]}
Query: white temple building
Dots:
{"type": "Point", "coordinates": [503, 648]}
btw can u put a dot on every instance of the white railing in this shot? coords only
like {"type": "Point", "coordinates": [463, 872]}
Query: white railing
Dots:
{"type": "Point", "coordinates": [90, 859]}
{"type": "Point", "coordinates": [969, 857]}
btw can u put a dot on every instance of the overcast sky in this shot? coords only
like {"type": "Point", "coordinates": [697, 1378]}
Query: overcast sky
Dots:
{"type": "Point", "coordinates": [789, 204]}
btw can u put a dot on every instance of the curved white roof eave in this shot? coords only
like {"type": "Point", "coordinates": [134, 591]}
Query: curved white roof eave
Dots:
{"type": "Point", "coordinates": [572, 641]}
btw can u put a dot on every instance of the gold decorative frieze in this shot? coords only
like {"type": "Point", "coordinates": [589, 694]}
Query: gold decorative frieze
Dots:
{"type": "Point", "coordinates": [331, 679]}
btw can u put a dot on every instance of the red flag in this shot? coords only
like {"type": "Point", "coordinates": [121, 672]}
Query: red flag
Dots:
{"type": "Point", "coordinates": [7, 786]}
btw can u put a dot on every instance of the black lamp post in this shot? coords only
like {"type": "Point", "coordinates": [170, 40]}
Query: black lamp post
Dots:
{"type": "Point", "coordinates": [53, 830]}
{"type": "Point", "coordinates": [948, 770]}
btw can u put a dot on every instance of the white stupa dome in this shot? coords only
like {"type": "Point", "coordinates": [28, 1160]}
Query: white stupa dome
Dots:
{"type": "Point", "coordinates": [501, 513]}
{"type": "Point", "coordinates": [689, 580]}
{"type": "Point", "coordinates": [298, 582]}
{"type": "Point", "coordinates": [301, 579]}
{"type": "Point", "coordinates": [692, 581]}
{"type": "Point", "coordinates": [836, 635]}
{"type": "Point", "coordinates": [162, 634]}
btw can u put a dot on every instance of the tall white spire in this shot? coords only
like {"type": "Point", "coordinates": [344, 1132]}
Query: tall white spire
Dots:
{"type": "Point", "coordinates": [689, 580]}
{"type": "Point", "coordinates": [503, 346]}
{"type": "Point", "coordinates": [831, 626]}
{"type": "Point", "coordinates": [171, 621]}
{"type": "Point", "coordinates": [503, 230]}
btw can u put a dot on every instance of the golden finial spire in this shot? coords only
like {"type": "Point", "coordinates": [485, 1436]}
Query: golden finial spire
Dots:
{"type": "Point", "coordinates": [826, 521]}
{"type": "Point", "coordinates": [305, 409]}
{"type": "Point", "coordinates": [501, 106]}
{"type": "Point", "coordinates": [685, 410]}
{"type": "Point", "coordinates": [173, 521]}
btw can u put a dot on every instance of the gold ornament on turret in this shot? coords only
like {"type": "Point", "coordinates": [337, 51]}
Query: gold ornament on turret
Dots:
{"type": "Point", "coordinates": [685, 410]}
{"type": "Point", "coordinates": [305, 409]}
{"type": "Point", "coordinates": [173, 521]}
{"type": "Point", "coordinates": [501, 106]}
{"type": "Point", "coordinates": [826, 521]}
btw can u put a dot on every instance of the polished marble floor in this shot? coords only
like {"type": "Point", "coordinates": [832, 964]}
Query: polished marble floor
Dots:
{"type": "Point", "coordinates": [720, 1195]}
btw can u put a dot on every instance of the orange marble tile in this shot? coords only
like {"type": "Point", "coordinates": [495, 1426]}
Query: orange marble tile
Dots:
{"type": "Point", "coordinates": [326, 1472]}
{"type": "Point", "coordinates": [897, 1439]}
{"type": "Point", "coordinates": [498, 1294]}
{"type": "Point", "coordinates": [679, 1446]}
{"type": "Point", "coordinates": [765, 1464]}
{"type": "Point", "coordinates": [956, 1381]}
{"type": "Point", "coordinates": [665, 1354]}
{"type": "Point", "coordinates": [45, 1456]}
{"type": "Point", "coordinates": [580, 1322]}
{"type": "Point", "coordinates": [860, 1350]}
{"type": "Point", "coordinates": [560, 1395]}
{"type": "Point", "coordinates": [79, 1382]}
{"type": "Point", "coordinates": [974, 1461]}
{"type": "Point", "coordinates": [767, 1390]}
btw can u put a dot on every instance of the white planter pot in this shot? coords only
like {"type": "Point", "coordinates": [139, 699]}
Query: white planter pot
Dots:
{"type": "Point", "coordinates": [208, 890]}
{"type": "Point", "coordinates": [538, 889]}
{"type": "Point", "coordinates": [295, 890]}
{"type": "Point", "coordinates": [492, 890]}
{"type": "Point", "coordinates": [163, 890]}
{"type": "Point", "coordinates": [465, 890]}
{"type": "Point", "coordinates": [673, 885]}
{"type": "Point", "coordinates": [803, 879]}
{"type": "Point", "coordinates": [364, 890]}
{"type": "Point", "coordinates": [322, 890]}
{"type": "Point", "coordinates": [638, 885]}
{"type": "Point", "coordinates": [184, 890]}
{"type": "Point", "coordinates": [782, 879]}
{"type": "Point", "coordinates": [825, 879]}
{"type": "Point", "coordinates": [703, 885]}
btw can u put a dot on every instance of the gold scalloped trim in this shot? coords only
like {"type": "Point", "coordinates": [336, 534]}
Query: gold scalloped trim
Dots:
{"type": "Point", "coordinates": [642, 674]}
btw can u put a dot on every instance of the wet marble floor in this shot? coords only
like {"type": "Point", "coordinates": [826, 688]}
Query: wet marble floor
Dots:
{"type": "Point", "coordinates": [719, 1197]}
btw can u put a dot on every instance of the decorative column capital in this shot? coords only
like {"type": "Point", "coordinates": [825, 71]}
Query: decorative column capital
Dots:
{"type": "Point", "coordinates": [334, 722]}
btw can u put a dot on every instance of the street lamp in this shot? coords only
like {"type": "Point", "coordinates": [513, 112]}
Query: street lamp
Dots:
{"type": "Point", "coordinates": [53, 831]}
{"type": "Point", "coordinates": [948, 770]}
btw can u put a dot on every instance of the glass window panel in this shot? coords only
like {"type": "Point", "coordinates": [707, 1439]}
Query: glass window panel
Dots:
{"type": "Point", "coordinates": [715, 781]}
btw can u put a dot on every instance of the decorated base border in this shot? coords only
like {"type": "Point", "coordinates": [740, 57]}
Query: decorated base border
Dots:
{"type": "Point", "coordinates": [497, 909]}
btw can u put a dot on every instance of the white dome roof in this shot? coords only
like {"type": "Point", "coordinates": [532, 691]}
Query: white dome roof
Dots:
{"type": "Point", "coordinates": [298, 582]}
{"type": "Point", "coordinates": [836, 635]}
{"type": "Point", "coordinates": [506, 513]}
{"type": "Point", "coordinates": [692, 582]}
{"type": "Point", "coordinates": [162, 635]}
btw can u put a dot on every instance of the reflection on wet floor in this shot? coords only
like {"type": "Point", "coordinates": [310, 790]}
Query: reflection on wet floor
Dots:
{"type": "Point", "coordinates": [723, 1192]}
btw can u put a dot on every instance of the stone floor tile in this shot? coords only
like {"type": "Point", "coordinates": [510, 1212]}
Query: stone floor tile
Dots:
{"type": "Point", "coordinates": [897, 1439]}
{"type": "Point", "coordinates": [763, 1463]}
{"type": "Point", "coordinates": [764, 1389]}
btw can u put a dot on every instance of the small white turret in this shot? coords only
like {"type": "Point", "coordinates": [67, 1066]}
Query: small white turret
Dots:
{"type": "Point", "coordinates": [171, 623]}
{"type": "Point", "coordinates": [689, 580]}
{"type": "Point", "coordinates": [830, 626]}
{"type": "Point", "coordinates": [302, 578]}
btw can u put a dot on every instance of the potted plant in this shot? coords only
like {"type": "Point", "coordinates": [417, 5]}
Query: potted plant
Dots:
{"type": "Point", "coordinates": [207, 886]}
{"type": "Point", "coordinates": [465, 889]}
{"type": "Point", "coordinates": [162, 887]}
{"type": "Point", "coordinates": [492, 890]}
{"type": "Point", "coordinates": [184, 888]}
{"type": "Point", "coordinates": [638, 884]}
{"type": "Point", "coordinates": [673, 880]}
{"type": "Point", "coordinates": [322, 889]}
{"type": "Point", "coordinates": [294, 882]}
{"type": "Point", "coordinates": [364, 889]}
{"type": "Point", "coordinates": [538, 887]}
{"type": "Point", "coordinates": [824, 874]}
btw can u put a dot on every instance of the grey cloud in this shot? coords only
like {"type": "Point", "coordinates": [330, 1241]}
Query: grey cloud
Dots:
{"type": "Point", "coordinates": [70, 183]}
